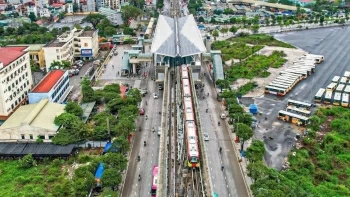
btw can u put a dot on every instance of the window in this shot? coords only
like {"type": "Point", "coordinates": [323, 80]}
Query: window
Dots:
{"type": "Point", "coordinates": [9, 88]}
{"type": "Point", "coordinates": [50, 137]}
{"type": "Point", "coordinates": [23, 136]}
{"type": "Point", "coordinates": [12, 106]}
{"type": "Point", "coordinates": [85, 44]}
{"type": "Point", "coordinates": [41, 137]}
{"type": "Point", "coordinates": [57, 50]}
{"type": "Point", "coordinates": [31, 136]}
{"type": "Point", "coordinates": [58, 57]}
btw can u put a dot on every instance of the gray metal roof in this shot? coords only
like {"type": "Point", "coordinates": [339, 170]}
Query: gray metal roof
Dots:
{"type": "Point", "coordinates": [218, 68]}
{"type": "Point", "coordinates": [177, 37]}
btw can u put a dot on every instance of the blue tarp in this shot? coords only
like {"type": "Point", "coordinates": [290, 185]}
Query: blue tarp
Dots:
{"type": "Point", "coordinates": [108, 146]}
{"type": "Point", "coordinates": [253, 108]}
{"type": "Point", "coordinates": [99, 171]}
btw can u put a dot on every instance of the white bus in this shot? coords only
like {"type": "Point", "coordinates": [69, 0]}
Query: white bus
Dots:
{"type": "Point", "coordinates": [289, 77]}
{"type": "Point", "coordinates": [345, 100]}
{"type": "Point", "coordinates": [319, 95]}
{"type": "Point", "coordinates": [347, 89]}
{"type": "Point", "coordinates": [347, 74]}
{"type": "Point", "coordinates": [331, 86]}
{"type": "Point", "coordinates": [304, 74]}
{"type": "Point", "coordinates": [299, 71]}
{"type": "Point", "coordinates": [328, 97]}
{"type": "Point", "coordinates": [283, 86]}
{"type": "Point", "coordinates": [318, 58]}
{"type": "Point", "coordinates": [275, 90]}
{"type": "Point", "coordinates": [336, 79]}
{"type": "Point", "coordinates": [340, 88]}
{"type": "Point", "coordinates": [337, 98]}
{"type": "Point", "coordinates": [299, 104]}
{"type": "Point", "coordinates": [284, 73]}
{"type": "Point", "coordinates": [299, 111]}
{"type": "Point", "coordinates": [310, 69]}
{"type": "Point", "coordinates": [303, 65]}
{"type": "Point", "coordinates": [292, 82]}
{"type": "Point", "coordinates": [293, 118]}
{"type": "Point", "coordinates": [343, 80]}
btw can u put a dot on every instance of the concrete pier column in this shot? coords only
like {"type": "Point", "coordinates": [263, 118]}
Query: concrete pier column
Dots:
{"type": "Point", "coordinates": [134, 68]}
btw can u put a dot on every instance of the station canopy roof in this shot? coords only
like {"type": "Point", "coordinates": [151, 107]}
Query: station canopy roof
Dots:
{"type": "Point", "coordinates": [177, 37]}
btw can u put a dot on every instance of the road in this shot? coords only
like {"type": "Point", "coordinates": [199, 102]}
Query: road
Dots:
{"type": "Point", "coordinates": [330, 42]}
{"type": "Point", "coordinates": [230, 181]}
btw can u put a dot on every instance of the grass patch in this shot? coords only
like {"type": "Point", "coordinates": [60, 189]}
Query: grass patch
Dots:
{"type": "Point", "coordinates": [260, 39]}
{"type": "Point", "coordinates": [255, 66]}
{"type": "Point", "coordinates": [235, 50]}
{"type": "Point", "coordinates": [246, 88]}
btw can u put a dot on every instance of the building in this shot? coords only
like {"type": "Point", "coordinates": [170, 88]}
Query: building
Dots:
{"type": "Point", "coordinates": [60, 49]}
{"type": "Point", "coordinates": [31, 122]}
{"type": "Point", "coordinates": [41, 3]}
{"type": "Point", "coordinates": [44, 12]}
{"type": "Point", "coordinates": [114, 16]}
{"type": "Point", "coordinates": [86, 44]}
{"type": "Point", "coordinates": [88, 5]}
{"type": "Point", "coordinates": [15, 79]}
{"type": "Point", "coordinates": [54, 87]}
{"type": "Point", "coordinates": [36, 53]}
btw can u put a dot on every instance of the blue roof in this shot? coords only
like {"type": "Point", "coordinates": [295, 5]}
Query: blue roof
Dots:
{"type": "Point", "coordinates": [253, 106]}
{"type": "Point", "coordinates": [108, 146]}
{"type": "Point", "coordinates": [99, 171]}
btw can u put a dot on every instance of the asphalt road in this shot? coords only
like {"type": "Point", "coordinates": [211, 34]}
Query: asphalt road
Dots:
{"type": "Point", "coordinates": [230, 181]}
{"type": "Point", "coordinates": [333, 43]}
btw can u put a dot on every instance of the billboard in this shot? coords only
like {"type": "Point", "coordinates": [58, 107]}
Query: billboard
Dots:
{"type": "Point", "coordinates": [86, 52]}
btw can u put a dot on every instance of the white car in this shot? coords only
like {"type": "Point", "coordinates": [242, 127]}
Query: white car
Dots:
{"type": "Point", "coordinates": [155, 96]}
{"type": "Point", "coordinates": [206, 136]}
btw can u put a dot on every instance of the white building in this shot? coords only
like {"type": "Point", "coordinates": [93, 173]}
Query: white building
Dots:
{"type": "Point", "coordinates": [60, 49]}
{"type": "Point", "coordinates": [69, 7]}
{"type": "Point", "coordinates": [44, 12]}
{"type": "Point", "coordinates": [15, 79]}
{"type": "Point", "coordinates": [86, 44]}
{"type": "Point", "coordinates": [32, 8]}
{"type": "Point", "coordinates": [41, 3]}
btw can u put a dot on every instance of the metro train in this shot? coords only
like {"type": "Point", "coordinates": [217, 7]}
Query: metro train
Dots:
{"type": "Point", "coordinates": [189, 117]}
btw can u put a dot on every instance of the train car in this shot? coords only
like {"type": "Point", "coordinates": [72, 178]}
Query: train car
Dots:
{"type": "Point", "coordinates": [186, 89]}
{"type": "Point", "coordinates": [154, 181]}
{"type": "Point", "coordinates": [188, 109]}
{"type": "Point", "coordinates": [184, 72]}
{"type": "Point", "coordinates": [98, 174]}
{"type": "Point", "coordinates": [192, 144]}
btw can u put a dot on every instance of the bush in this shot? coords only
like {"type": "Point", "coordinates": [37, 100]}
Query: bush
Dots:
{"type": "Point", "coordinates": [27, 162]}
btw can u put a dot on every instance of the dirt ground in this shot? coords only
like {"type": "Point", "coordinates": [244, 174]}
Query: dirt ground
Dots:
{"type": "Point", "coordinates": [292, 55]}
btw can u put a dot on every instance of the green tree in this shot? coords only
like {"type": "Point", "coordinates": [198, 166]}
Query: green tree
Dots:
{"type": "Point", "coordinates": [27, 162]}
{"type": "Point", "coordinates": [2, 31]}
{"type": "Point", "coordinates": [321, 20]}
{"type": "Point", "coordinates": [233, 29]}
{"type": "Point", "coordinates": [223, 30]}
{"type": "Point", "coordinates": [130, 12]}
{"type": "Point", "coordinates": [244, 132]}
{"type": "Point", "coordinates": [75, 6]}
{"type": "Point", "coordinates": [87, 91]}
{"type": "Point", "coordinates": [121, 144]}
{"type": "Point", "coordinates": [115, 161]}
{"type": "Point", "coordinates": [73, 108]}
{"type": "Point", "coordinates": [223, 84]}
{"type": "Point", "coordinates": [77, 26]}
{"type": "Point", "coordinates": [64, 64]}
{"type": "Point", "coordinates": [32, 17]}
{"type": "Point", "coordinates": [215, 34]}
{"type": "Point", "coordinates": [111, 178]}
{"type": "Point", "coordinates": [10, 31]}
{"type": "Point", "coordinates": [83, 185]}
{"type": "Point", "coordinates": [128, 31]}
{"type": "Point", "coordinates": [137, 3]}
{"type": "Point", "coordinates": [201, 19]}
{"type": "Point", "coordinates": [65, 28]}
{"type": "Point", "coordinates": [61, 15]}
{"type": "Point", "coordinates": [108, 191]}
{"type": "Point", "coordinates": [110, 31]}
{"type": "Point", "coordinates": [255, 28]}
{"type": "Point", "coordinates": [255, 151]}
{"type": "Point", "coordinates": [87, 28]}
{"type": "Point", "coordinates": [94, 19]}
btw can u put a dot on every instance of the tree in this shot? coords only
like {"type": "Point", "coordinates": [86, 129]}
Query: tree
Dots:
{"type": "Point", "coordinates": [73, 108]}
{"type": "Point", "coordinates": [64, 64]}
{"type": "Point", "coordinates": [115, 160]}
{"type": "Point", "coordinates": [87, 91]}
{"type": "Point", "coordinates": [78, 26]}
{"type": "Point", "coordinates": [87, 28]}
{"type": "Point", "coordinates": [61, 15]}
{"type": "Point", "coordinates": [201, 19]}
{"type": "Point", "coordinates": [111, 177]}
{"type": "Point", "coordinates": [94, 19]}
{"type": "Point", "coordinates": [121, 144]}
{"type": "Point", "coordinates": [109, 192]}
{"type": "Point", "coordinates": [233, 29]}
{"type": "Point", "coordinates": [32, 17]}
{"type": "Point", "coordinates": [128, 31]}
{"type": "Point", "coordinates": [2, 31]}
{"type": "Point", "coordinates": [110, 31]}
{"type": "Point", "coordinates": [65, 28]}
{"type": "Point", "coordinates": [212, 20]}
{"type": "Point", "coordinates": [215, 34]}
{"type": "Point", "coordinates": [222, 83]}
{"type": "Point", "coordinates": [255, 151]}
{"type": "Point", "coordinates": [75, 6]}
{"type": "Point", "coordinates": [130, 12]}
{"type": "Point", "coordinates": [27, 162]}
{"type": "Point", "coordinates": [137, 3]}
{"type": "Point", "coordinates": [82, 185]}
{"type": "Point", "coordinates": [223, 30]}
{"type": "Point", "coordinates": [255, 28]}
{"type": "Point", "coordinates": [244, 132]}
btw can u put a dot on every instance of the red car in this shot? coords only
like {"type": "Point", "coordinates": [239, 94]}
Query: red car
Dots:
{"type": "Point", "coordinates": [142, 111]}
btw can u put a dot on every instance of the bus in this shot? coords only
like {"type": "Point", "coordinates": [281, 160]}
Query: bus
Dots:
{"type": "Point", "coordinates": [291, 76]}
{"type": "Point", "coordinates": [335, 79]}
{"type": "Point", "coordinates": [317, 58]}
{"type": "Point", "coordinates": [154, 181]}
{"type": "Point", "coordinates": [303, 65]}
{"type": "Point", "coordinates": [283, 73]}
{"type": "Point", "coordinates": [304, 74]}
{"type": "Point", "coordinates": [293, 118]}
{"type": "Point", "coordinates": [299, 111]}
{"type": "Point", "coordinates": [288, 77]}
{"type": "Point", "coordinates": [347, 74]}
{"type": "Point", "coordinates": [347, 89]}
{"type": "Point", "coordinates": [319, 95]}
{"type": "Point", "coordinates": [279, 85]}
{"type": "Point", "coordinates": [299, 71]}
{"type": "Point", "coordinates": [345, 100]}
{"type": "Point", "coordinates": [331, 86]}
{"type": "Point", "coordinates": [275, 90]}
{"type": "Point", "coordinates": [299, 104]}
{"type": "Point", "coordinates": [328, 97]}
{"type": "Point", "coordinates": [343, 80]}
{"type": "Point", "coordinates": [307, 68]}
{"type": "Point", "coordinates": [285, 81]}
{"type": "Point", "coordinates": [340, 88]}
{"type": "Point", "coordinates": [337, 98]}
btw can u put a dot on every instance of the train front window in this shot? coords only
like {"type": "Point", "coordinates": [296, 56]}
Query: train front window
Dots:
{"type": "Point", "coordinates": [153, 191]}
{"type": "Point", "coordinates": [194, 160]}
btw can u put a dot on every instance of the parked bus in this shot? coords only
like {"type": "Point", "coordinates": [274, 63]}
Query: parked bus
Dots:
{"type": "Point", "coordinates": [328, 97]}
{"type": "Point", "coordinates": [347, 89]}
{"type": "Point", "coordinates": [288, 77]}
{"type": "Point", "coordinates": [319, 95]}
{"type": "Point", "coordinates": [299, 104]}
{"type": "Point", "coordinates": [335, 79]}
{"type": "Point", "coordinates": [318, 58]}
{"type": "Point", "coordinates": [308, 68]}
{"type": "Point", "coordinates": [343, 80]}
{"type": "Point", "coordinates": [331, 86]}
{"type": "Point", "coordinates": [340, 88]}
{"type": "Point", "coordinates": [337, 98]}
{"type": "Point", "coordinates": [285, 81]}
{"type": "Point", "coordinates": [293, 118]}
{"type": "Point", "coordinates": [275, 90]}
{"type": "Point", "coordinates": [299, 71]}
{"type": "Point", "coordinates": [284, 86]}
{"type": "Point", "coordinates": [283, 73]}
{"type": "Point", "coordinates": [154, 181]}
{"type": "Point", "coordinates": [347, 74]}
{"type": "Point", "coordinates": [304, 74]}
{"type": "Point", "coordinates": [299, 111]}
{"type": "Point", "coordinates": [345, 100]}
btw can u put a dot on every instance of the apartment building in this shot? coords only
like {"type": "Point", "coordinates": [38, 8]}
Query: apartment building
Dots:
{"type": "Point", "coordinates": [60, 49]}
{"type": "Point", "coordinates": [15, 79]}
{"type": "Point", "coordinates": [86, 44]}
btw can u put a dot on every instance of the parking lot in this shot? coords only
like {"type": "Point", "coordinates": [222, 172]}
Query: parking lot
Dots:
{"type": "Point", "coordinates": [330, 42]}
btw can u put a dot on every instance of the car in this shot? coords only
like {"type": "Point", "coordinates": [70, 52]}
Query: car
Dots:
{"type": "Point", "coordinates": [155, 96]}
{"type": "Point", "coordinates": [160, 87]}
{"type": "Point", "coordinates": [143, 92]}
{"type": "Point", "coordinates": [142, 111]}
{"type": "Point", "coordinates": [206, 136]}
{"type": "Point", "coordinates": [159, 131]}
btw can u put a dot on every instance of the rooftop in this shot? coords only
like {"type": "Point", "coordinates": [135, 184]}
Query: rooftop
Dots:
{"type": "Point", "coordinates": [31, 47]}
{"type": "Point", "coordinates": [46, 84]}
{"type": "Point", "coordinates": [10, 54]}
{"type": "Point", "coordinates": [55, 44]}
{"type": "Point", "coordinates": [10, 149]}
{"type": "Point", "coordinates": [87, 33]}
{"type": "Point", "coordinates": [38, 115]}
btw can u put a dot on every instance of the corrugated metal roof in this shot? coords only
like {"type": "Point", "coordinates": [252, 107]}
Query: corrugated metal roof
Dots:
{"type": "Point", "coordinates": [218, 68]}
{"type": "Point", "coordinates": [46, 84]}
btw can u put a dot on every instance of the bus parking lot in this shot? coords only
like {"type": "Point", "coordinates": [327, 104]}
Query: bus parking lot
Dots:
{"type": "Point", "coordinates": [333, 44]}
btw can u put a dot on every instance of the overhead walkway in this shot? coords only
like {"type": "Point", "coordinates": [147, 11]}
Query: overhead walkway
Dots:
{"type": "Point", "coordinates": [142, 57]}
{"type": "Point", "coordinates": [218, 67]}
{"type": "Point", "coordinates": [266, 4]}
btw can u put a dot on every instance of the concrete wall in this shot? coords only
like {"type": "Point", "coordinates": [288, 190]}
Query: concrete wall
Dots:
{"type": "Point", "coordinates": [15, 134]}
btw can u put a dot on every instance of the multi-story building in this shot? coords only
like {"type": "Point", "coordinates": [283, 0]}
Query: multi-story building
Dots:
{"type": "Point", "coordinates": [41, 3]}
{"type": "Point", "coordinates": [31, 8]}
{"type": "Point", "coordinates": [44, 12]}
{"type": "Point", "coordinates": [86, 44]}
{"type": "Point", "coordinates": [15, 79]}
{"type": "Point", "coordinates": [114, 16]}
{"type": "Point", "coordinates": [60, 49]}
{"type": "Point", "coordinates": [88, 5]}
{"type": "Point", "coordinates": [36, 53]}
{"type": "Point", "coordinates": [54, 87]}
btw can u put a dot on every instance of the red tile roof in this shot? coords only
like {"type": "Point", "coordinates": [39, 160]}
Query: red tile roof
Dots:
{"type": "Point", "coordinates": [49, 81]}
{"type": "Point", "coordinates": [10, 54]}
